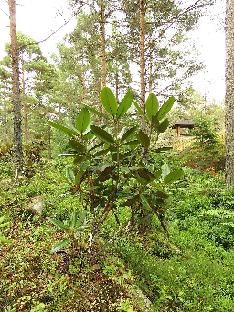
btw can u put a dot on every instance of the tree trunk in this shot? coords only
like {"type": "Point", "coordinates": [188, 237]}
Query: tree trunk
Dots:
{"type": "Point", "coordinates": [142, 52]}
{"type": "Point", "coordinates": [103, 45]}
{"type": "Point", "coordinates": [151, 67]}
{"type": "Point", "coordinates": [25, 106]}
{"type": "Point", "coordinates": [229, 100]}
{"type": "Point", "coordinates": [16, 90]}
{"type": "Point", "coordinates": [117, 85]}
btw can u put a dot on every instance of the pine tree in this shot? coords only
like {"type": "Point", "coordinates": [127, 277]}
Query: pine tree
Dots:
{"type": "Point", "coordinates": [229, 100]}
{"type": "Point", "coordinates": [16, 91]}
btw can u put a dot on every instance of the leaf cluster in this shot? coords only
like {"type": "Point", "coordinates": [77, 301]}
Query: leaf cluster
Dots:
{"type": "Point", "coordinates": [115, 159]}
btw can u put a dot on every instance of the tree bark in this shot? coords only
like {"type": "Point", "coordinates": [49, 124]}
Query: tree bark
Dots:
{"type": "Point", "coordinates": [117, 85]}
{"type": "Point", "coordinates": [229, 99]}
{"type": "Point", "coordinates": [25, 106]}
{"type": "Point", "coordinates": [142, 52]}
{"type": "Point", "coordinates": [16, 91]}
{"type": "Point", "coordinates": [151, 67]}
{"type": "Point", "coordinates": [103, 44]}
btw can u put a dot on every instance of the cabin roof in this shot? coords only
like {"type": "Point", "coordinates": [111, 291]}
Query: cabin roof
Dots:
{"type": "Point", "coordinates": [189, 124]}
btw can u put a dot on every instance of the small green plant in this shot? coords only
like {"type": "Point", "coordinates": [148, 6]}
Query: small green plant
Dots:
{"type": "Point", "coordinates": [125, 306]}
{"type": "Point", "coordinates": [117, 162]}
{"type": "Point", "coordinates": [74, 227]}
{"type": "Point", "coordinates": [3, 224]}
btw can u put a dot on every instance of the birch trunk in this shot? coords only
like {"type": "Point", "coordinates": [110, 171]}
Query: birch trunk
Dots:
{"type": "Point", "coordinates": [16, 90]}
{"type": "Point", "coordinates": [229, 100]}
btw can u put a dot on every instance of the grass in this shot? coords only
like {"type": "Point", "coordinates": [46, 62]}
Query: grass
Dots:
{"type": "Point", "coordinates": [192, 271]}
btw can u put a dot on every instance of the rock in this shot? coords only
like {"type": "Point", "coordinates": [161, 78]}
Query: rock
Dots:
{"type": "Point", "coordinates": [36, 205]}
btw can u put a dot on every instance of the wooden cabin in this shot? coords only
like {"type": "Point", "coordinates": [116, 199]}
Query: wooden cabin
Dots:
{"type": "Point", "coordinates": [183, 124]}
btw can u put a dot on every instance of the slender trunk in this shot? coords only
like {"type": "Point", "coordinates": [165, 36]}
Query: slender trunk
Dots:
{"type": "Point", "coordinates": [117, 85]}
{"type": "Point", "coordinates": [142, 52]}
{"type": "Point", "coordinates": [25, 106]}
{"type": "Point", "coordinates": [151, 67]}
{"type": "Point", "coordinates": [229, 100]}
{"type": "Point", "coordinates": [84, 91]}
{"type": "Point", "coordinates": [16, 90]}
{"type": "Point", "coordinates": [103, 45]}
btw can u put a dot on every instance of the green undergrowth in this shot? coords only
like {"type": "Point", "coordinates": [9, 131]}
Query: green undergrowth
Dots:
{"type": "Point", "coordinates": [192, 270]}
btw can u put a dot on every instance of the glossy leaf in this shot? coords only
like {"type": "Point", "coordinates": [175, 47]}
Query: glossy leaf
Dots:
{"type": "Point", "coordinates": [145, 203]}
{"type": "Point", "coordinates": [131, 201]}
{"type": "Point", "coordinates": [161, 197]}
{"type": "Point", "coordinates": [128, 133]}
{"type": "Point", "coordinates": [165, 170]}
{"type": "Point", "coordinates": [125, 104]}
{"type": "Point", "coordinates": [167, 106]}
{"type": "Point", "coordinates": [109, 101]}
{"type": "Point", "coordinates": [102, 134]}
{"type": "Point", "coordinates": [174, 176]}
{"type": "Point", "coordinates": [66, 130]}
{"type": "Point", "coordinates": [60, 245]}
{"type": "Point", "coordinates": [102, 152]}
{"type": "Point", "coordinates": [78, 159]}
{"type": "Point", "coordinates": [163, 126]}
{"type": "Point", "coordinates": [83, 120]}
{"type": "Point", "coordinates": [151, 105]}
{"type": "Point", "coordinates": [77, 146]}
{"type": "Point", "coordinates": [70, 175]}
{"type": "Point", "coordinates": [96, 112]}
{"type": "Point", "coordinates": [106, 173]}
{"type": "Point", "coordinates": [143, 175]}
{"type": "Point", "coordinates": [143, 139]}
{"type": "Point", "coordinates": [132, 143]}
{"type": "Point", "coordinates": [139, 109]}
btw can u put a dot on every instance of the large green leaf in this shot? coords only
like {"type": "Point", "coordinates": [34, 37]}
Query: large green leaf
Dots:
{"type": "Point", "coordinates": [143, 139]}
{"type": "Point", "coordinates": [102, 152]}
{"type": "Point", "coordinates": [163, 126]}
{"type": "Point", "coordinates": [139, 109]}
{"type": "Point", "coordinates": [167, 106]}
{"type": "Point", "coordinates": [151, 105]}
{"type": "Point", "coordinates": [145, 203]}
{"type": "Point", "coordinates": [174, 176]}
{"type": "Point", "coordinates": [128, 133]}
{"type": "Point", "coordinates": [83, 120]}
{"type": "Point", "coordinates": [125, 104]}
{"type": "Point", "coordinates": [102, 134]}
{"type": "Point", "coordinates": [109, 101]}
{"type": "Point", "coordinates": [77, 146]}
{"type": "Point", "coordinates": [96, 112]}
{"type": "Point", "coordinates": [64, 129]}
{"type": "Point", "coordinates": [165, 170]}
{"type": "Point", "coordinates": [70, 175]}
{"type": "Point", "coordinates": [132, 143]}
{"type": "Point", "coordinates": [143, 175]}
{"type": "Point", "coordinates": [60, 245]}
